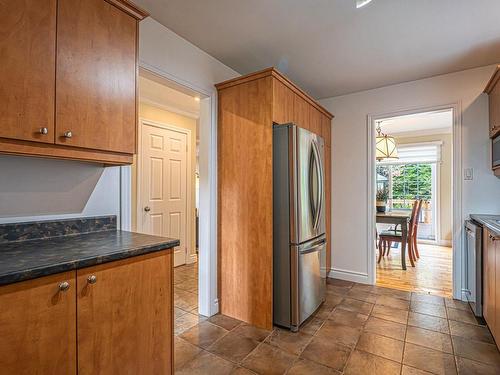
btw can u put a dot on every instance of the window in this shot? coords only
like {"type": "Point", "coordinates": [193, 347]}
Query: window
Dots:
{"type": "Point", "coordinates": [413, 176]}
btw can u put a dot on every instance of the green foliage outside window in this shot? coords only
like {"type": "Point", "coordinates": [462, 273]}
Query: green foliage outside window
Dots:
{"type": "Point", "coordinates": [409, 182]}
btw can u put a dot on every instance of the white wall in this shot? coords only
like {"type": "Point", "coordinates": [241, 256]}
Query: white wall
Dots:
{"type": "Point", "coordinates": [350, 147]}
{"type": "Point", "coordinates": [163, 51]}
{"type": "Point", "coordinates": [43, 189]}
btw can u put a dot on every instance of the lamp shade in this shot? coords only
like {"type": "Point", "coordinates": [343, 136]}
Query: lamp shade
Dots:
{"type": "Point", "coordinates": [386, 147]}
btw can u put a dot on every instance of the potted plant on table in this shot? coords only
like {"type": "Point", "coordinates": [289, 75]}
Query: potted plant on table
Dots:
{"type": "Point", "coordinates": [382, 196]}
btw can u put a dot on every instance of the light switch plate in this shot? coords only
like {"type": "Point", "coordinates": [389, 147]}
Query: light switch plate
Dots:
{"type": "Point", "coordinates": [468, 174]}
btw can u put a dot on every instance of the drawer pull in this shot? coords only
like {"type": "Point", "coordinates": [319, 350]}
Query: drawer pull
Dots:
{"type": "Point", "coordinates": [92, 279]}
{"type": "Point", "coordinates": [68, 134]}
{"type": "Point", "coordinates": [44, 131]}
{"type": "Point", "coordinates": [64, 286]}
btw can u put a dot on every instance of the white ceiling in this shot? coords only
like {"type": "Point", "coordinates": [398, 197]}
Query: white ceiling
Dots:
{"type": "Point", "coordinates": [438, 122]}
{"type": "Point", "coordinates": [329, 47]}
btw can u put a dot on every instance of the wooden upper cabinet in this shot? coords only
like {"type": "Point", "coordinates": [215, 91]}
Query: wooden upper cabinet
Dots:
{"type": "Point", "coordinates": [493, 91]}
{"type": "Point", "coordinates": [283, 100]}
{"type": "Point", "coordinates": [314, 120]}
{"type": "Point", "coordinates": [27, 69]}
{"type": "Point", "coordinates": [301, 112]}
{"type": "Point", "coordinates": [38, 326]}
{"type": "Point", "coordinates": [125, 316]}
{"type": "Point", "coordinates": [96, 76]}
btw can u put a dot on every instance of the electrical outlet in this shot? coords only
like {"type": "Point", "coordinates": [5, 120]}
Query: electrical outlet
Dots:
{"type": "Point", "coordinates": [468, 174]}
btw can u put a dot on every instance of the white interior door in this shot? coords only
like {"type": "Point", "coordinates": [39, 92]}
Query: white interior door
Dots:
{"type": "Point", "coordinates": [164, 185]}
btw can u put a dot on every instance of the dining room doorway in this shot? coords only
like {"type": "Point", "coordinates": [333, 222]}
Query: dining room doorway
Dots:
{"type": "Point", "coordinates": [413, 173]}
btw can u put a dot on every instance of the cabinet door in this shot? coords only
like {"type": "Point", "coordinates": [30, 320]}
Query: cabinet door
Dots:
{"type": "Point", "coordinates": [283, 99]}
{"type": "Point", "coordinates": [124, 316]}
{"type": "Point", "coordinates": [489, 276]}
{"type": "Point", "coordinates": [38, 326]}
{"type": "Point", "coordinates": [301, 112]}
{"type": "Point", "coordinates": [495, 243]}
{"type": "Point", "coordinates": [96, 76]}
{"type": "Point", "coordinates": [494, 108]}
{"type": "Point", "coordinates": [27, 69]}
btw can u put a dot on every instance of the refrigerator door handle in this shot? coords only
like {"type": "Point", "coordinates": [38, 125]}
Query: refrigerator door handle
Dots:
{"type": "Point", "coordinates": [319, 172]}
{"type": "Point", "coordinates": [314, 248]}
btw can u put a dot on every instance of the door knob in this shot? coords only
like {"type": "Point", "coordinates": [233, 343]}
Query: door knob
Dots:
{"type": "Point", "coordinates": [44, 131]}
{"type": "Point", "coordinates": [64, 286]}
{"type": "Point", "coordinates": [147, 208]}
{"type": "Point", "coordinates": [92, 279]}
{"type": "Point", "coordinates": [68, 134]}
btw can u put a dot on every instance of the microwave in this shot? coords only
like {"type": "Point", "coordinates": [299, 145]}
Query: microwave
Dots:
{"type": "Point", "coordinates": [495, 151]}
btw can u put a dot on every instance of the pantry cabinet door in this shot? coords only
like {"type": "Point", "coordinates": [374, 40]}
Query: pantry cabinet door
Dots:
{"type": "Point", "coordinates": [38, 326]}
{"type": "Point", "coordinates": [96, 76]}
{"type": "Point", "coordinates": [27, 69]}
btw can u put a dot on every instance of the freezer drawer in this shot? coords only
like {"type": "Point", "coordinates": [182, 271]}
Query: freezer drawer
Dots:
{"type": "Point", "coordinates": [311, 279]}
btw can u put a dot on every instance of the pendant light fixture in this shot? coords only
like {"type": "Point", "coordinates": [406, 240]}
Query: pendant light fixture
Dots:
{"type": "Point", "coordinates": [386, 145]}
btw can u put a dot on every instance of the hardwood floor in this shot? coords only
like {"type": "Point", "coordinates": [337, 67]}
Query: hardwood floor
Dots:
{"type": "Point", "coordinates": [432, 273]}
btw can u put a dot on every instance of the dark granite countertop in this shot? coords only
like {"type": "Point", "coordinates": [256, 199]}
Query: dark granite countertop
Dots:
{"type": "Point", "coordinates": [492, 222]}
{"type": "Point", "coordinates": [29, 259]}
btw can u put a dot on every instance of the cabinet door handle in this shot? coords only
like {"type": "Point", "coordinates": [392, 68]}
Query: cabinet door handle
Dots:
{"type": "Point", "coordinates": [68, 134]}
{"type": "Point", "coordinates": [44, 131]}
{"type": "Point", "coordinates": [92, 279]}
{"type": "Point", "coordinates": [64, 286]}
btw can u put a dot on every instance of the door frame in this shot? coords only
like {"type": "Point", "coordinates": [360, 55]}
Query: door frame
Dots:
{"type": "Point", "coordinates": [457, 237]}
{"type": "Point", "coordinates": [189, 200]}
{"type": "Point", "coordinates": [208, 303]}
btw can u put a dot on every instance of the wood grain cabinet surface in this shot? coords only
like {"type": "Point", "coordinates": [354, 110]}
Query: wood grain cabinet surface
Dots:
{"type": "Point", "coordinates": [74, 99]}
{"type": "Point", "coordinates": [27, 69]}
{"type": "Point", "coordinates": [117, 316]}
{"type": "Point", "coordinates": [38, 326]}
{"type": "Point", "coordinates": [491, 282]}
{"type": "Point", "coordinates": [493, 91]}
{"type": "Point", "coordinates": [248, 108]}
{"type": "Point", "coordinates": [125, 316]}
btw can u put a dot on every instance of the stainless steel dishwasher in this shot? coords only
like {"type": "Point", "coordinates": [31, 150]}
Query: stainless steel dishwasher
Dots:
{"type": "Point", "coordinates": [473, 275]}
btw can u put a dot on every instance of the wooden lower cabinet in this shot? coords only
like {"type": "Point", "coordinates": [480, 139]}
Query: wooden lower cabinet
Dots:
{"type": "Point", "coordinates": [117, 316]}
{"type": "Point", "coordinates": [38, 326]}
{"type": "Point", "coordinates": [125, 310]}
{"type": "Point", "coordinates": [491, 283]}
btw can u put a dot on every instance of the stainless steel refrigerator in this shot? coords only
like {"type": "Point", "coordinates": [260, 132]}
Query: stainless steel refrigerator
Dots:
{"type": "Point", "coordinates": [299, 240]}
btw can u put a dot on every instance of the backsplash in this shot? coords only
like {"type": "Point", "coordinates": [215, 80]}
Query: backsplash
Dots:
{"type": "Point", "coordinates": [55, 228]}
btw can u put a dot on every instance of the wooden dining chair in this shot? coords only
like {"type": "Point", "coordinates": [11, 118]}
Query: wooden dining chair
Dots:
{"type": "Point", "coordinates": [386, 238]}
{"type": "Point", "coordinates": [416, 255]}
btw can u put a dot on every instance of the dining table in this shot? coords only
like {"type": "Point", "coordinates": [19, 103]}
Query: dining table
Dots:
{"type": "Point", "coordinates": [401, 218]}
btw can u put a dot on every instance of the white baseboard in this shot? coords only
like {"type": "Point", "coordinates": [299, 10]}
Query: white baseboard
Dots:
{"type": "Point", "coordinates": [357, 277]}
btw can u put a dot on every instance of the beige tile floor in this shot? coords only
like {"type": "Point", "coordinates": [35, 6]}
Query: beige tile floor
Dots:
{"type": "Point", "coordinates": [359, 330]}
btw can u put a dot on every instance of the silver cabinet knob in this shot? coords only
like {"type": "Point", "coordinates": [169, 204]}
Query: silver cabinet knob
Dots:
{"type": "Point", "coordinates": [92, 279]}
{"type": "Point", "coordinates": [44, 131]}
{"type": "Point", "coordinates": [68, 134]}
{"type": "Point", "coordinates": [147, 208]}
{"type": "Point", "coordinates": [64, 286]}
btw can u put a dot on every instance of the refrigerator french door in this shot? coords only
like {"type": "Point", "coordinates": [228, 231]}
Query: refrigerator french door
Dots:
{"type": "Point", "coordinates": [299, 240]}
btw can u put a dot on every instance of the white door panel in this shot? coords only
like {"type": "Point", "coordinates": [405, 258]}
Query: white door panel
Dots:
{"type": "Point", "coordinates": [164, 186]}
